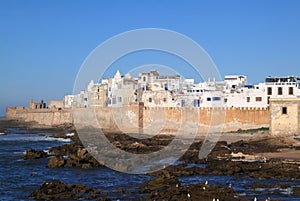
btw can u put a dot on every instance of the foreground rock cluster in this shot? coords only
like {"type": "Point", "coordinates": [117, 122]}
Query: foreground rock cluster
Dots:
{"type": "Point", "coordinates": [166, 186]}
{"type": "Point", "coordinates": [238, 158]}
{"type": "Point", "coordinates": [56, 190]}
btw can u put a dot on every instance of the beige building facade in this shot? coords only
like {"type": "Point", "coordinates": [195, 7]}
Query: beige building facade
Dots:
{"type": "Point", "coordinates": [285, 116]}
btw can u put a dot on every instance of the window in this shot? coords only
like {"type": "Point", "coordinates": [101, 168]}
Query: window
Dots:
{"type": "Point", "coordinates": [258, 99]}
{"type": "Point", "coordinates": [284, 110]}
{"type": "Point", "coordinates": [248, 99]}
{"type": "Point", "coordinates": [216, 98]}
{"type": "Point", "coordinates": [268, 102]}
{"type": "Point", "coordinates": [164, 99]}
{"type": "Point", "coordinates": [291, 91]}
{"type": "Point", "coordinates": [279, 90]}
{"type": "Point", "coordinates": [120, 99]}
{"type": "Point", "coordinates": [225, 100]}
{"type": "Point", "coordinates": [208, 99]}
{"type": "Point", "coordinates": [150, 100]}
{"type": "Point", "coordinates": [98, 90]}
{"type": "Point", "coordinates": [269, 90]}
{"type": "Point", "coordinates": [144, 79]}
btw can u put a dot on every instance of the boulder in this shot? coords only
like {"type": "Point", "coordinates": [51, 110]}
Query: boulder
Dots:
{"type": "Point", "coordinates": [56, 162]}
{"type": "Point", "coordinates": [56, 190]}
{"type": "Point", "coordinates": [35, 154]}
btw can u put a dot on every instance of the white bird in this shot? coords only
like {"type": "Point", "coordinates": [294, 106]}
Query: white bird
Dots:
{"type": "Point", "coordinates": [255, 199]}
{"type": "Point", "coordinates": [203, 188]}
{"type": "Point", "coordinates": [214, 199]}
{"type": "Point", "coordinates": [217, 199]}
{"type": "Point", "coordinates": [176, 185]}
{"type": "Point", "coordinates": [188, 195]}
{"type": "Point", "coordinates": [206, 182]}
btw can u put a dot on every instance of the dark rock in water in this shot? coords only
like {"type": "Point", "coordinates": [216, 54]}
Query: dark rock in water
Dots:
{"type": "Point", "coordinates": [56, 162]}
{"type": "Point", "coordinates": [296, 191]}
{"type": "Point", "coordinates": [2, 130]}
{"type": "Point", "coordinates": [273, 168]}
{"type": "Point", "coordinates": [163, 180]}
{"type": "Point", "coordinates": [56, 190]}
{"type": "Point", "coordinates": [165, 186]}
{"type": "Point", "coordinates": [78, 156]}
{"type": "Point", "coordinates": [35, 154]}
{"type": "Point", "coordinates": [65, 149]}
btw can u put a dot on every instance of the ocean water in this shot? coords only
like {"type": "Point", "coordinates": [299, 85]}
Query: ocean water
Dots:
{"type": "Point", "coordinates": [19, 177]}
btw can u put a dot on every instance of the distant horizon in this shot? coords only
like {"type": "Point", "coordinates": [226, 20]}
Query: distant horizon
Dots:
{"type": "Point", "coordinates": [44, 44]}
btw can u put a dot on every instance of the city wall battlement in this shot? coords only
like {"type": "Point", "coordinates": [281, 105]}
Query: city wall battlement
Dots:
{"type": "Point", "coordinates": [137, 118]}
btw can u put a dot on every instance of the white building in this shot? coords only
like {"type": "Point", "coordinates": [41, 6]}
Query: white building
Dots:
{"type": "Point", "coordinates": [156, 90]}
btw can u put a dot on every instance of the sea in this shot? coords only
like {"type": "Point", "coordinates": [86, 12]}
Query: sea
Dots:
{"type": "Point", "coordinates": [18, 177]}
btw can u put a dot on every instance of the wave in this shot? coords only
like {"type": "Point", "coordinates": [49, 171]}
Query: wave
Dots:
{"type": "Point", "coordinates": [70, 134]}
{"type": "Point", "coordinates": [31, 137]}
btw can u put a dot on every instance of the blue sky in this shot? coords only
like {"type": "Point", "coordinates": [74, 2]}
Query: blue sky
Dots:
{"type": "Point", "coordinates": [43, 43]}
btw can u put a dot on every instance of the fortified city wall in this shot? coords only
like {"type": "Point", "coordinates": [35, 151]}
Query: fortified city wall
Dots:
{"type": "Point", "coordinates": [137, 118]}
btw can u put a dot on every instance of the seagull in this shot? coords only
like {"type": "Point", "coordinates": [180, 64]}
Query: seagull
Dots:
{"type": "Point", "coordinates": [188, 195]}
{"type": "Point", "coordinates": [206, 182]}
{"type": "Point", "coordinates": [255, 199]}
{"type": "Point", "coordinates": [176, 185]}
{"type": "Point", "coordinates": [214, 199]}
{"type": "Point", "coordinates": [203, 188]}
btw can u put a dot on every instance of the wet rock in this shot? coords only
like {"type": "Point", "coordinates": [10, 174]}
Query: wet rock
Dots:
{"type": "Point", "coordinates": [35, 154]}
{"type": "Point", "coordinates": [274, 168]}
{"type": "Point", "coordinates": [163, 179]}
{"type": "Point", "coordinates": [181, 170]}
{"type": "Point", "coordinates": [56, 190]}
{"type": "Point", "coordinates": [77, 155]}
{"type": "Point", "coordinates": [65, 149]}
{"type": "Point", "coordinates": [2, 130]}
{"type": "Point", "coordinates": [56, 162]}
{"type": "Point", "coordinates": [296, 191]}
{"type": "Point", "coordinates": [166, 186]}
{"type": "Point", "coordinates": [260, 146]}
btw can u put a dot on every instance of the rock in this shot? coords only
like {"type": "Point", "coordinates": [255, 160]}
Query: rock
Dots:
{"type": "Point", "coordinates": [163, 179]}
{"type": "Point", "coordinates": [165, 186]}
{"type": "Point", "coordinates": [296, 191]}
{"type": "Point", "coordinates": [2, 131]}
{"type": "Point", "coordinates": [77, 154]}
{"type": "Point", "coordinates": [56, 190]}
{"type": "Point", "coordinates": [56, 162]}
{"type": "Point", "coordinates": [35, 154]}
{"type": "Point", "coordinates": [65, 149]}
{"type": "Point", "coordinates": [273, 168]}
{"type": "Point", "coordinates": [81, 153]}
{"type": "Point", "coordinates": [86, 165]}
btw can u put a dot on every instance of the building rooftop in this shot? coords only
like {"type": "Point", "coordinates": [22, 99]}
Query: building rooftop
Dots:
{"type": "Point", "coordinates": [282, 79]}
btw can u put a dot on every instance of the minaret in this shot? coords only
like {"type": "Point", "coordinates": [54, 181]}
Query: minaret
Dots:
{"type": "Point", "coordinates": [117, 75]}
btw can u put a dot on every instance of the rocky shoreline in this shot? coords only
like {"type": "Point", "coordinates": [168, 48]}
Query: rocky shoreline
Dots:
{"type": "Point", "coordinates": [241, 157]}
